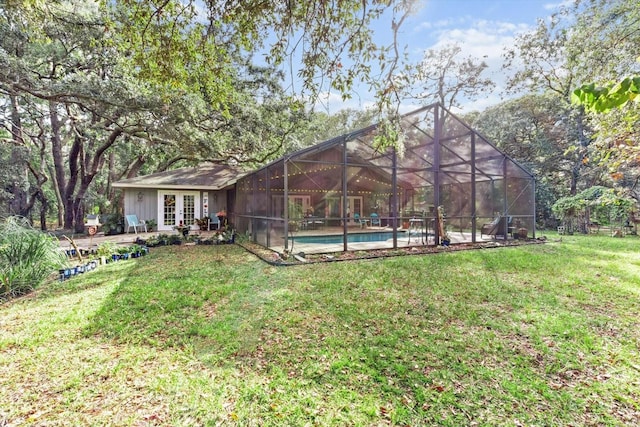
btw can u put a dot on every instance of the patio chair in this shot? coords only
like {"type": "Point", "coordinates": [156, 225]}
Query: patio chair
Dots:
{"type": "Point", "coordinates": [496, 227]}
{"type": "Point", "coordinates": [375, 219]}
{"type": "Point", "coordinates": [135, 223]}
{"type": "Point", "coordinates": [361, 222]}
{"type": "Point", "coordinates": [214, 222]}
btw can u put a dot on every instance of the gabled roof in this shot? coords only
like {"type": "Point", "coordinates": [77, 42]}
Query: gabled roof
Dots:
{"type": "Point", "coordinates": [206, 176]}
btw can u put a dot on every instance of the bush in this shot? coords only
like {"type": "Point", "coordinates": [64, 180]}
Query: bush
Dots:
{"type": "Point", "coordinates": [27, 257]}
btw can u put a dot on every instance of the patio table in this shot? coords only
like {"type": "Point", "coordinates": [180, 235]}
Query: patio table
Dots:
{"type": "Point", "coordinates": [312, 222]}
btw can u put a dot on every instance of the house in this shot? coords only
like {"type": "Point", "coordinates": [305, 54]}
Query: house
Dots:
{"type": "Point", "coordinates": [441, 185]}
{"type": "Point", "coordinates": [181, 195]}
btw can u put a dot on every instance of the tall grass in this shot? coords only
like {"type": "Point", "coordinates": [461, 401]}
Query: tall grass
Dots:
{"type": "Point", "coordinates": [27, 257]}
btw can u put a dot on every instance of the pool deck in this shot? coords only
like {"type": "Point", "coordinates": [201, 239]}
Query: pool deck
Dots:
{"type": "Point", "coordinates": [403, 240]}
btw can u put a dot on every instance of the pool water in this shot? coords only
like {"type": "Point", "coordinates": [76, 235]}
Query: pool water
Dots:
{"type": "Point", "coordinates": [380, 236]}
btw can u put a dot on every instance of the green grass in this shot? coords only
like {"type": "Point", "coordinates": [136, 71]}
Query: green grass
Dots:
{"type": "Point", "coordinates": [209, 335]}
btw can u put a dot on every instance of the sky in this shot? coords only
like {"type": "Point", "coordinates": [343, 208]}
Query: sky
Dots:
{"type": "Point", "coordinates": [483, 28]}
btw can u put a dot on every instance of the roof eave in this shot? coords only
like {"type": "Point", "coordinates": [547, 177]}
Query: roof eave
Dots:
{"type": "Point", "coordinates": [171, 187]}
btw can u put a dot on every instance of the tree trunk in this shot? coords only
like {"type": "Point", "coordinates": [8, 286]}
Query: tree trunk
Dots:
{"type": "Point", "coordinates": [70, 201]}
{"type": "Point", "coordinates": [583, 144]}
{"type": "Point", "coordinates": [111, 177]}
{"type": "Point", "coordinates": [135, 167]}
{"type": "Point", "coordinates": [59, 202]}
{"type": "Point", "coordinates": [65, 206]}
{"type": "Point", "coordinates": [575, 175]}
{"type": "Point", "coordinates": [83, 168]}
{"type": "Point", "coordinates": [43, 211]}
{"type": "Point", "coordinates": [19, 187]}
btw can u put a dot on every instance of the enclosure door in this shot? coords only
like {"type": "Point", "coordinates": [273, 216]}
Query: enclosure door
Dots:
{"type": "Point", "coordinates": [177, 206]}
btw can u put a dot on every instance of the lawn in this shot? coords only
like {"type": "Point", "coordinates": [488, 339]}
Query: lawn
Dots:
{"type": "Point", "coordinates": [210, 335]}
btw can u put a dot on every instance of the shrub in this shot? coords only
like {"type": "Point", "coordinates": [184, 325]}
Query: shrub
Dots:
{"type": "Point", "coordinates": [27, 257]}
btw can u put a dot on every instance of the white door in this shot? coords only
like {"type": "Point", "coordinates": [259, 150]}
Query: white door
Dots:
{"type": "Point", "coordinates": [354, 206]}
{"type": "Point", "coordinates": [175, 207]}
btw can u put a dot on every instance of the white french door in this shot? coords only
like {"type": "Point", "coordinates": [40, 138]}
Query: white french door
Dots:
{"type": "Point", "coordinates": [354, 206]}
{"type": "Point", "coordinates": [175, 207]}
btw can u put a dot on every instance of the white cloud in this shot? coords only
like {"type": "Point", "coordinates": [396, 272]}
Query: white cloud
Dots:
{"type": "Point", "coordinates": [443, 23]}
{"type": "Point", "coordinates": [485, 39]}
{"type": "Point", "coordinates": [332, 102]}
{"type": "Point", "coordinates": [558, 5]}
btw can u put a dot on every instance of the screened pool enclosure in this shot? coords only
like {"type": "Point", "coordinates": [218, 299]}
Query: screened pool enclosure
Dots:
{"type": "Point", "coordinates": [448, 185]}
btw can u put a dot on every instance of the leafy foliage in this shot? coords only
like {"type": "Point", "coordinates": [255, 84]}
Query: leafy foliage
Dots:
{"type": "Point", "coordinates": [602, 202]}
{"type": "Point", "coordinates": [27, 257]}
{"type": "Point", "coordinates": [193, 45]}
{"type": "Point", "coordinates": [617, 121]}
{"type": "Point", "coordinates": [604, 98]}
{"type": "Point", "coordinates": [540, 132]}
{"type": "Point", "coordinates": [585, 41]}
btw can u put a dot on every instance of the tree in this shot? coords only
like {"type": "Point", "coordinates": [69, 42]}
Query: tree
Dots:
{"type": "Point", "coordinates": [125, 85]}
{"type": "Point", "coordinates": [181, 44]}
{"type": "Point", "coordinates": [444, 77]}
{"type": "Point", "coordinates": [545, 62]}
{"type": "Point", "coordinates": [546, 67]}
{"type": "Point", "coordinates": [611, 47]}
{"type": "Point", "coordinates": [578, 211]}
{"type": "Point", "coordinates": [615, 113]}
{"type": "Point", "coordinates": [538, 131]}
{"type": "Point", "coordinates": [583, 42]}
{"type": "Point", "coordinates": [118, 85]}
{"type": "Point", "coordinates": [176, 44]}
{"type": "Point", "coordinates": [322, 126]}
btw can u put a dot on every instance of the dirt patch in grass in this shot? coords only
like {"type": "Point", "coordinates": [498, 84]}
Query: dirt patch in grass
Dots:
{"type": "Point", "coordinates": [275, 258]}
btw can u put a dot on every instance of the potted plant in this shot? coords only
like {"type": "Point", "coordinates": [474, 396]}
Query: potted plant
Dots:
{"type": "Point", "coordinates": [105, 250]}
{"type": "Point", "coordinates": [182, 229]}
{"type": "Point", "coordinates": [123, 252]}
{"type": "Point", "coordinates": [523, 233]}
{"type": "Point", "coordinates": [136, 251]}
{"type": "Point", "coordinates": [174, 239]}
{"type": "Point", "coordinates": [203, 223]}
{"type": "Point", "coordinates": [151, 224]}
{"type": "Point", "coordinates": [112, 224]}
{"type": "Point", "coordinates": [163, 239]}
{"type": "Point", "coordinates": [225, 235]}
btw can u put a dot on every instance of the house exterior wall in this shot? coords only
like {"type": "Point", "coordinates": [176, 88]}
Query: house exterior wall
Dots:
{"type": "Point", "coordinates": [142, 202]}
{"type": "Point", "coordinates": [217, 201]}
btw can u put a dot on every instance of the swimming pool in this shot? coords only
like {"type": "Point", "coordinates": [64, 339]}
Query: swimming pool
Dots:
{"type": "Point", "coordinates": [378, 236]}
